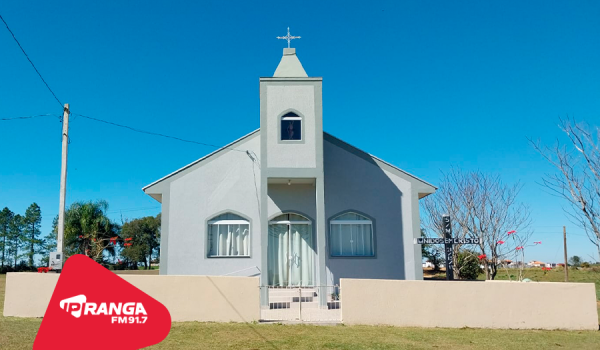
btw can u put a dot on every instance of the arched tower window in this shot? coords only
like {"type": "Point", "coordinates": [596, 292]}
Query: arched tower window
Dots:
{"type": "Point", "coordinates": [291, 127]}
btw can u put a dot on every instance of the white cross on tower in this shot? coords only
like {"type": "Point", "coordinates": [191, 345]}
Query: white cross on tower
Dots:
{"type": "Point", "coordinates": [288, 37]}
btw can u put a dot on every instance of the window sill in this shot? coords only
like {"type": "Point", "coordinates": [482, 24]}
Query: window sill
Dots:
{"type": "Point", "coordinates": [227, 256]}
{"type": "Point", "coordinates": [352, 256]}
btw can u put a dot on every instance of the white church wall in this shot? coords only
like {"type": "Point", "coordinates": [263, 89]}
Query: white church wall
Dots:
{"type": "Point", "coordinates": [355, 184]}
{"type": "Point", "coordinates": [223, 184]}
{"type": "Point", "coordinates": [298, 198]}
{"type": "Point", "coordinates": [301, 100]}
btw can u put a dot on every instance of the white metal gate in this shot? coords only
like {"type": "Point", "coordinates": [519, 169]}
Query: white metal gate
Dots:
{"type": "Point", "coordinates": [303, 304]}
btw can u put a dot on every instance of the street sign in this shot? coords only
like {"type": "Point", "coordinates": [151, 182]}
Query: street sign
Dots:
{"type": "Point", "coordinates": [448, 241]}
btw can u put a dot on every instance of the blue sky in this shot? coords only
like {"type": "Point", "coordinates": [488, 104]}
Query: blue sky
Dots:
{"type": "Point", "coordinates": [425, 85]}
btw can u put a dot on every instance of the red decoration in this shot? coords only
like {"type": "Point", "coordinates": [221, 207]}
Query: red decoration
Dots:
{"type": "Point", "coordinates": [80, 236]}
{"type": "Point", "coordinates": [128, 239]}
{"type": "Point", "coordinates": [500, 242]}
{"type": "Point", "coordinates": [519, 248]}
{"type": "Point", "coordinates": [482, 256]}
{"type": "Point", "coordinates": [44, 269]}
{"type": "Point", "coordinates": [511, 232]}
{"type": "Point", "coordinates": [540, 242]}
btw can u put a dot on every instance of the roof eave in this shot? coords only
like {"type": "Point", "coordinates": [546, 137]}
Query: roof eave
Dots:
{"type": "Point", "coordinates": [148, 188]}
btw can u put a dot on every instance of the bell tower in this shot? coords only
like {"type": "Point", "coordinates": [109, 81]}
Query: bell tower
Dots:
{"type": "Point", "coordinates": [291, 118]}
{"type": "Point", "coordinates": [291, 133]}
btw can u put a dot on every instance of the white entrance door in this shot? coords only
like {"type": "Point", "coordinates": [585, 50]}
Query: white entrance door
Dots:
{"type": "Point", "coordinates": [291, 254]}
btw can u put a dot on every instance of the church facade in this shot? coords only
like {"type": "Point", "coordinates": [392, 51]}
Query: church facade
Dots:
{"type": "Point", "coordinates": [289, 202]}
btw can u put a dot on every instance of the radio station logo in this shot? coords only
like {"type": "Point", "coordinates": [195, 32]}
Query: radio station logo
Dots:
{"type": "Point", "coordinates": [77, 305]}
{"type": "Point", "coordinates": [88, 296]}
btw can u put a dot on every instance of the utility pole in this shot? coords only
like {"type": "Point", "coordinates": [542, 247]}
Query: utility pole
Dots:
{"type": "Point", "coordinates": [56, 258]}
{"type": "Point", "coordinates": [566, 265]}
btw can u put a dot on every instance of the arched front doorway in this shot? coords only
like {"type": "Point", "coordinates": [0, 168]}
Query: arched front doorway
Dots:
{"type": "Point", "coordinates": [291, 253]}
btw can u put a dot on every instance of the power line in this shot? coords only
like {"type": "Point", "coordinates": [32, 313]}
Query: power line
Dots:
{"type": "Point", "coordinates": [33, 65]}
{"type": "Point", "coordinates": [31, 117]}
{"type": "Point", "coordinates": [131, 209]}
{"type": "Point", "coordinates": [156, 134]}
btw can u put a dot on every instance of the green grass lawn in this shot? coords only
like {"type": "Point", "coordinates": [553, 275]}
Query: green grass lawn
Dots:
{"type": "Point", "coordinates": [19, 333]}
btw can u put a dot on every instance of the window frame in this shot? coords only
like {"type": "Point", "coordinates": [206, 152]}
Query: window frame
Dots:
{"type": "Point", "coordinates": [370, 220]}
{"type": "Point", "coordinates": [210, 222]}
{"type": "Point", "coordinates": [290, 115]}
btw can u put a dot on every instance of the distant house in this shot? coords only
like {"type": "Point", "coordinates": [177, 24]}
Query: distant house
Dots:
{"type": "Point", "coordinates": [536, 263]}
{"type": "Point", "coordinates": [552, 264]}
{"type": "Point", "coordinates": [428, 265]}
{"type": "Point", "coordinates": [508, 263]}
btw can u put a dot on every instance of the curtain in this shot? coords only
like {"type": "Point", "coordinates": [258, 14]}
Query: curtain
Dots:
{"type": "Point", "coordinates": [278, 255]}
{"type": "Point", "coordinates": [229, 240]}
{"type": "Point", "coordinates": [306, 255]}
{"type": "Point", "coordinates": [290, 256]}
{"type": "Point", "coordinates": [351, 239]}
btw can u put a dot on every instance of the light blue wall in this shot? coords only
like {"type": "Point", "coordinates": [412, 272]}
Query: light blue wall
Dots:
{"type": "Point", "coordinates": [353, 183]}
{"type": "Point", "coordinates": [223, 183]}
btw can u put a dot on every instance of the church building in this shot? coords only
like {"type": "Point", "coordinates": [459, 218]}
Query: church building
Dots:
{"type": "Point", "coordinates": [289, 202]}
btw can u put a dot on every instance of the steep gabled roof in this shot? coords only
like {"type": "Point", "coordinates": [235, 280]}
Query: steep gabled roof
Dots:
{"type": "Point", "coordinates": [423, 189]}
{"type": "Point", "coordinates": [217, 153]}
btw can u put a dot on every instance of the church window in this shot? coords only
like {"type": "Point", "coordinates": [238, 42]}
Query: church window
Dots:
{"type": "Point", "coordinates": [291, 127]}
{"type": "Point", "coordinates": [228, 235]}
{"type": "Point", "coordinates": [351, 234]}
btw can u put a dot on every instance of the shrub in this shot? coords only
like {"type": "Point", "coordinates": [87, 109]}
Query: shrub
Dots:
{"type": "Point", "coordinates": [585, 264]}
{"type": "Point", "coordinates": [467, 265]}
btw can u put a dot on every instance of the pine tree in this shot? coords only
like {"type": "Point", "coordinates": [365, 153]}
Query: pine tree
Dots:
{"type": "Point", "coordinates": [32, 223]}
{"type": "Point", "coordinates": [15, 237]}
{"type": "Point", "coordinates": [48, 245]}
{"type": "Point", "coordinates": [6, 217]}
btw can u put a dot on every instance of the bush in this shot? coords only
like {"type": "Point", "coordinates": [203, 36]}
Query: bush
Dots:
{"type": "Point", "coordinates": [21, 267]}
{"type": "Point", "coordinates": [467, 265]}
{"type": "Point", "coordinates": [585, 264]}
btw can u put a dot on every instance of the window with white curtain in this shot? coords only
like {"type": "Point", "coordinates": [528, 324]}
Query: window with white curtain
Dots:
{"type": "Point", "coordinates": [351, 234]}
{"type": "Point", "coordinates": [228, 235]}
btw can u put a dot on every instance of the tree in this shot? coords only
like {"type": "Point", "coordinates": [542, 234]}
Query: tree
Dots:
{"type": "Point", "coordinates": [48, 245]}
{"type": "Point", "coordinates": [577, 180]}
{"type": "Point", "coordinates": [141, 239]}
{"type": "Point", "coordinates": [5, 219]}
{"type": "Point", "coordinates": [15, 237]}
{"type": "Point", "coordinates": [88, 230]}
{"type": "Point", "coordinates": [431, 253]}
{"type": "Point", "coordinates": [480, 206]}
{"type": "Point", "coordinates": [32, 224]}
{"type": "Point", "coordinates": [575, 261]}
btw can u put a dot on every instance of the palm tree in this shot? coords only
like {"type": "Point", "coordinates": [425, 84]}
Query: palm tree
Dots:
{"type": "Point", "coordinates": [88, 230]}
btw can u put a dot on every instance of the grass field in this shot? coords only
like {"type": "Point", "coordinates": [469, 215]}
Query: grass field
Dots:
{"type": "Point", "coordinates": [19, 333]}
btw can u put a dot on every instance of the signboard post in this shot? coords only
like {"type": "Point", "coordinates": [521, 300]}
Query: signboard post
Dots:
{"type": "Point", "coordinates": [448, 243]}
{"type": "Point", "coordinates": [447, 226]}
